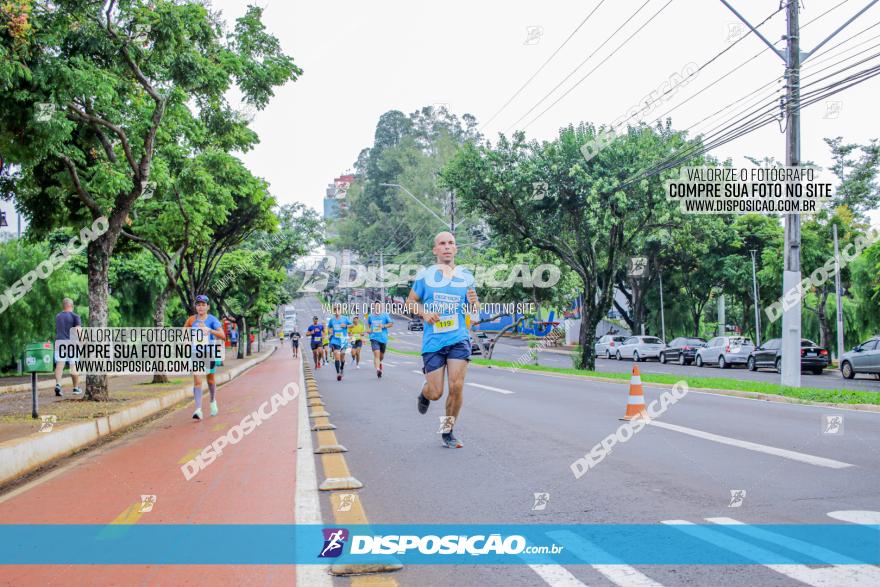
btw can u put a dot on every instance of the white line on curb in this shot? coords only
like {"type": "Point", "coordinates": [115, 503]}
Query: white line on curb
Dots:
{"type": "Point", "coordinates": [307, 503]}
{"type": "Point", "coordinates": [754, 446]}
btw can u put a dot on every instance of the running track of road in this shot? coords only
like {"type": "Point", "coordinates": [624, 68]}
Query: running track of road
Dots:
{"type": "Point", "coordinates": [252, 482]}
{"type": "Point", "coordinates": [522, 431]}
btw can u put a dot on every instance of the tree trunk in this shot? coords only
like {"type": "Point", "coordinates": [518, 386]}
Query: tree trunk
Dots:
{"type": "Point", "coordinates": [824, 325]}
{"type": "Point", "coordinates": [585, 340]}
{"type": "Point", "coordinates": [242, 337]}
{"type": "Point", "coordinates": [97, 388]}
{"type": "Point", "coordinates": [259, 333]}
{"type": "Point", "coordinates": [159, 322]}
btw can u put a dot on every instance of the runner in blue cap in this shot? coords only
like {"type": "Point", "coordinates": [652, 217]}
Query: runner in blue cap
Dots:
{"type": "Point", "coordinates": [210, 325]}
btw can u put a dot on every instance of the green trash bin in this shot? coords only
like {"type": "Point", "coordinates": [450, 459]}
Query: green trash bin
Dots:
{"type": "Point", "coordinates": [39, 357]}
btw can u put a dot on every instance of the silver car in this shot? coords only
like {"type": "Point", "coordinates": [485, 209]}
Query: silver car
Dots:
{"type": "Point", "coordinates": [607, 345]}
{"type": "Point", "coordinates": [639, 348]}
{"type": "Point", "coordinates": [864, 358]}
{"type": "Point", "coordinates": [725, 351]}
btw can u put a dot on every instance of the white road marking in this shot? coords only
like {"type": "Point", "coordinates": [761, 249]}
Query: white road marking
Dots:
{"type": "Point", "coordinates": [831, 576]}
{"type": "Point", "coordinates": [754, 446]}
{"type": "Point", "coordinates": [557, 576]}
{"type": "Point", "coordinates": [389, 363]}
{"type": "Point", "coordinates": [307, 504]}
{"type": "Point", "coordinates": [416, 372]}
{"type": "Point", "coordinates": [864, 517]}
{"type": "Point", "coordinates": [490, 388]}
{"type": "Point", "coordinates": [849, 572]}
{"type": "Point", "coordinates": [619, 573]}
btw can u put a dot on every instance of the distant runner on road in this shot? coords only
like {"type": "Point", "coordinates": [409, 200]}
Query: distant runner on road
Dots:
{"type": "Point", "coordinates": [325, 343]}
{"type": "Point", "coordinates": [338, 326]}
{"type": "Point", "coordinates": [378, 323]}
{"type": "Point", "coordinates": [211, 326]}
{"type": "Point", "coordinates": [357, 340]}
{"type": "Point", "coordinates": [294, 342]}
{"type": "Point", "coordinates": [315, 332]}
{"type": "Point", "coordinates": [439, 295]}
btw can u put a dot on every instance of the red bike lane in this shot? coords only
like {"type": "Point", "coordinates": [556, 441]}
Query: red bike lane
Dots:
{"type": "Point", "coordinates": [251, 482]}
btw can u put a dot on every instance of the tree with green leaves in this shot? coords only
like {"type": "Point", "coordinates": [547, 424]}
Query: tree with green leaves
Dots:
{"type": "Point", "coordinates": [588, 216]}
{"type": "Point", "coordinates": [94, 87]}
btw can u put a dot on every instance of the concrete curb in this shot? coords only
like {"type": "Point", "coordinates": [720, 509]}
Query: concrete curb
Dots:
{"type": "Point", "coordinates": [22, 455]}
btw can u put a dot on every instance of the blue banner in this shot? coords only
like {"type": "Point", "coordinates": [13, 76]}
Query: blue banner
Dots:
{"type": "Point", "coordinates": [632, 544]}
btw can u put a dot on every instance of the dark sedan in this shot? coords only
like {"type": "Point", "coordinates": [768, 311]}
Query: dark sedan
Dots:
{"type": "Point", "coordinates": [769, 355]}
{"type": "Point", "coordinates": [682, 350]}
{"type": "Point", "coordinates": [416, 324]}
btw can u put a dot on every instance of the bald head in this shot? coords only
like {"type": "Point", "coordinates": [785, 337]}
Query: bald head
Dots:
{"type": "Point", "coordinates": [444, 247]}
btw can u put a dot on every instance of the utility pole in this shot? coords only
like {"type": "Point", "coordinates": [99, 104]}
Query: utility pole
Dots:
{"type": "Point", "coordinates": [452, 212]}
{"type": "Point", "coordinates": [839, 294]}
{"type": "Point", "coordinates": [722, 319]}
{"type": "Point", "coordinates": [662, 317]}
{"type": "Point", "coordinates": [382, 274]}
{"type": "Point", "coordinates": [791, 268]}
{"type": "Point", "coordinates": [791, 273]}
{"type": "Point", "coordinates": [757, 303]}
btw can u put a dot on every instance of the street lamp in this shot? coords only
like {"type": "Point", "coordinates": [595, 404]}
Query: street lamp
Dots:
{"type": "Point", "coordinates": [3, 220]}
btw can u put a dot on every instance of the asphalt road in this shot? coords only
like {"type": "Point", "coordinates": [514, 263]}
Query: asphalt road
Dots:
{"type": "Point", "coordinates": [522, 432]}
{"type": "Point", "coordinates": [508, 349]}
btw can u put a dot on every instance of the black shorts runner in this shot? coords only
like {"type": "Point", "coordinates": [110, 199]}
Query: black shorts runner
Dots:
{"type": "Point", "coordinates": [316, 344]}
{"type": "Point", "coordinates": [357, 344]}
{"type": "Point", "coordinates": [377, 346]}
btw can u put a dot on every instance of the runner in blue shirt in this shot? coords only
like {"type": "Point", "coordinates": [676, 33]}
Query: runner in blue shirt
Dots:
{"type": "Point", "coordinates": [378, 324]}
{"type": "Point", "coordinates": [440, 295]}
{"type": "Point", "coordinates": [315, 332]}
{"type": "Point", "coordinates": [338, 326]}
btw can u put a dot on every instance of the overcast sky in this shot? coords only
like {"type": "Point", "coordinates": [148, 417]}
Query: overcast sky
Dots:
{"type": "Point", "coordinates": [361, 59]}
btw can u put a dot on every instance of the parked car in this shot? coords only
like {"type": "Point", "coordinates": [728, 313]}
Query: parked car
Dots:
{"type": "Point", "coordinates": [725, 351]}
{"type": "Point", "coordinates": [813, 357]}
{"type": "Point", "coordinates": [480, 340]}
{"type": "Point", "coordinates": [607, 345]}
{"type": "Point", "coordinates": [639, 348]}
{"type": "Point", "coordinates": [682, 349]}
{"type": "Point", "coordinates": [864, 358]}
{"type": "Point", "coordinates": [416, 324]}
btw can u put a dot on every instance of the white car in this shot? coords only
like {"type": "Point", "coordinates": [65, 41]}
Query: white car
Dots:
{"type": "Point", "coordinates": [639, 348]}
{"type": "Point", "coordinates": [607, 345]}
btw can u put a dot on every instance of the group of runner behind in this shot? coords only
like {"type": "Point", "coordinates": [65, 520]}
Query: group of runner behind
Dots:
{"type": "Point", "coordinates": [342, 334]}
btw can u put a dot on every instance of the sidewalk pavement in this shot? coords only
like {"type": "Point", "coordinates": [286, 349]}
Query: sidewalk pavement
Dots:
{"type": "Point", "coordinates": [251, 482]}
{"type": "Point", "coordinates": [15, 406]}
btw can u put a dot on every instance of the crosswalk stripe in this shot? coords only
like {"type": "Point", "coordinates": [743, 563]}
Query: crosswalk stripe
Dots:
{"type": "Point", "coordinates": [557, 576]}
{"type": "Point", "coordinates": [817, 577]}
{"type": "Point", "coordinates": [490, 388]}
{"type": "Point", "coordinates": [618, 573]}
{"type": "Point", "coordinates": [866, 518]}
{"type": "Point", "coordinates": [754, 446]}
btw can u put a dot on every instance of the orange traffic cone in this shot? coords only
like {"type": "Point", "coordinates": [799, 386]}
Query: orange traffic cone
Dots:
{"type": "Point", "coordinates": [635, 405]}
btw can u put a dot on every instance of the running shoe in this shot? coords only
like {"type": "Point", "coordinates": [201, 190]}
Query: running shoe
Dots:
{"type": "Point", "coordinates": [450, 441]}
{"type": "Point", "coordinates": [424, 402]}
{"type": "Point", "coordinates": [197, 415]}
{"type": "Point", "coordinates": [214, 408]}
{"type": "Point", "coordinates": [58, 392]}
{"type": "Point", "coordinates": [339, 377]}
{"type": "Point", "coordinates": [379, 373]}
{"type": "Point", "coordinates": [77, 391]}
{"type": "Point", "coordinates": [357, 365]}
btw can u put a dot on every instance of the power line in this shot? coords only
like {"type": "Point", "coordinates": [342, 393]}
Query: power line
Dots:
{"type": "Point", "coordinates": [752, 58]}
{"type": "Point", "coordinates": [590, 56]}
{"type": "Point", "coordinates": [756, 122]}
{"type": "Point", "coordinates": [580, 81]}
{"type": "Point", "coordinates": [543, 65]}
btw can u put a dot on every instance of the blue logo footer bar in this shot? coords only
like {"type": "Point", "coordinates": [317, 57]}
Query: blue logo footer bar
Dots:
{"type": "Point", "coordinates": [253, 544]}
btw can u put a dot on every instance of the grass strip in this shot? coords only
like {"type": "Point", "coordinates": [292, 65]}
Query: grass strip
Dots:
{"type": "Point", "coordinates": [812, 394]}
